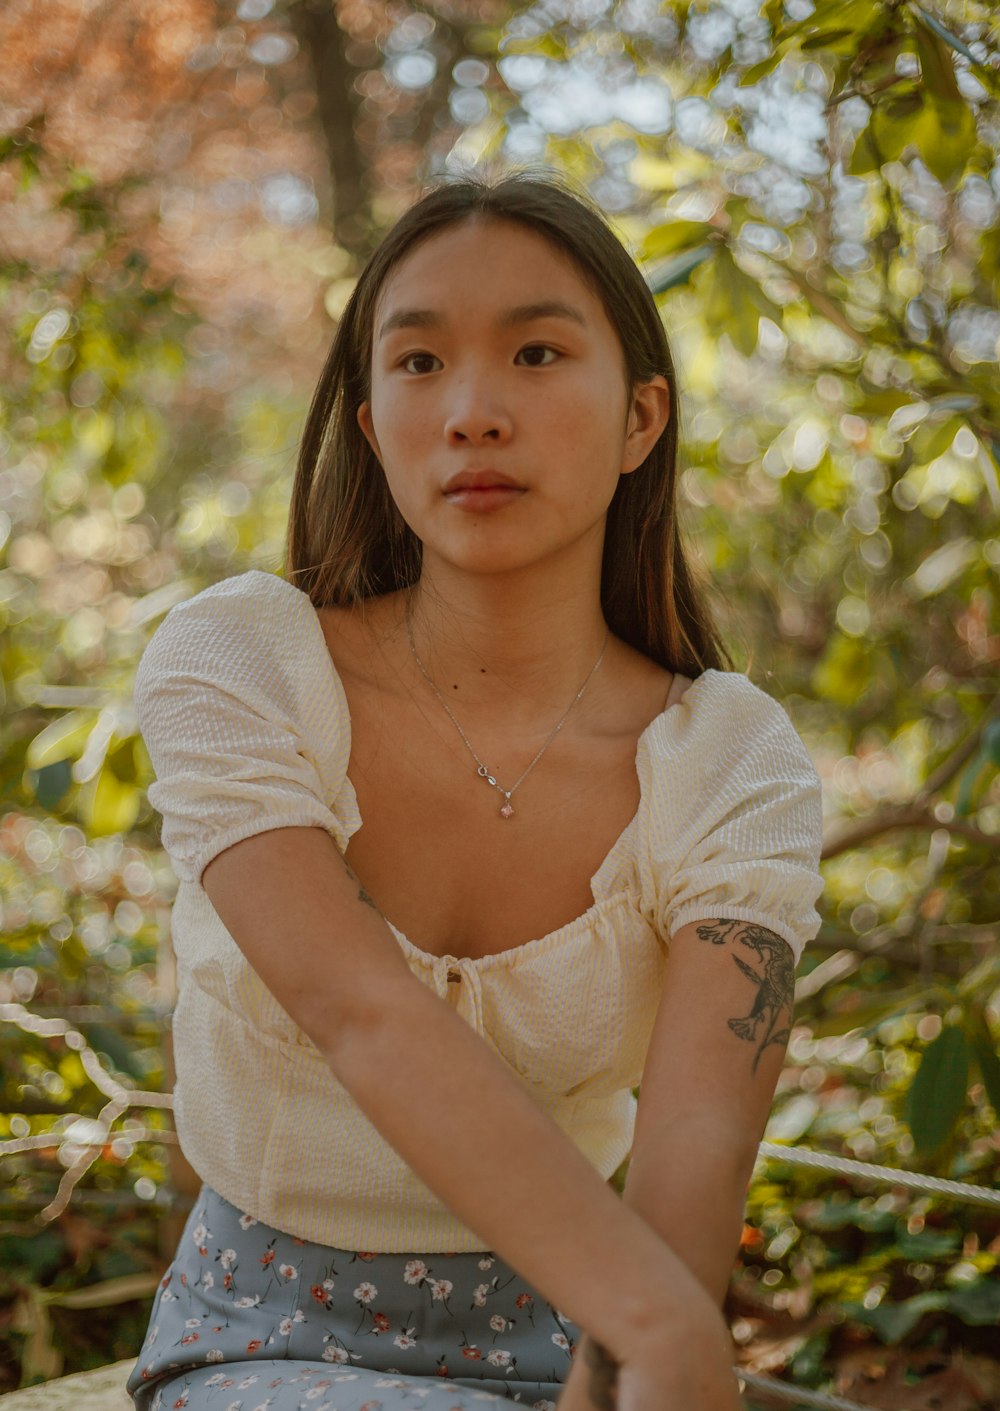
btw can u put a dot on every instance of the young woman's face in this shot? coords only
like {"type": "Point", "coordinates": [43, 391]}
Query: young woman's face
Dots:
{"type": "Point", "coordinates": [475, 369]}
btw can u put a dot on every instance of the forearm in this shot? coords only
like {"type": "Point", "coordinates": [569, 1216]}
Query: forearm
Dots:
{"type": "Point", "coordinates": [691, 1190]}
{"type": "Point", "coordinates": [481, 1143]}
{"type": "Point", "coordinates": [696, 1206]}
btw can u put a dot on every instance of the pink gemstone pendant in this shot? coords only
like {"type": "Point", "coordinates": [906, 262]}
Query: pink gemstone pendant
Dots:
{"type": "Point", "coordinates": [507, 811]}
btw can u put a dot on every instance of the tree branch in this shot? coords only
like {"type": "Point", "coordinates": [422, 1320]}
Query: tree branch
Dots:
{"type": "Point", "coordinates": [907, 816]}
{"type": "Point", "coordinates": [919, 813]}
{"type": "Point", "coordinates": [950, 766]}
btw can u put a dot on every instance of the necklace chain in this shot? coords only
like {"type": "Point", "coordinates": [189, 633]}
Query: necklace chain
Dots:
{"type": "Point", "coordinates": [506, 810]}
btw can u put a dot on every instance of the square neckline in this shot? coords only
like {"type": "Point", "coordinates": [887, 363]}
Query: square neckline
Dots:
{"type": "Point", "coordinates": [600, 897]}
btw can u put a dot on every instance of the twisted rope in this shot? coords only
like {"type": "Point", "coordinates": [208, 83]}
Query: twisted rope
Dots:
{"type": "Point", "coordinates": [120, 1099]}
{"type": "Point", "coordinates": [781, 1391]}
{"type": "Point", "coordinates": [887, 1175]}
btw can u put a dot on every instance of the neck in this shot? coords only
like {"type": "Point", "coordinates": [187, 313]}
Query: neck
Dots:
{"type": "Point", "coordinates": [515, 646]}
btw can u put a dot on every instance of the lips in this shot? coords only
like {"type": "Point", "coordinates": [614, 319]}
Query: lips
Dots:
{"type": "Point", "coordinates": [480, 480]}
{"type": "Point", "coordinates": [480, 492]}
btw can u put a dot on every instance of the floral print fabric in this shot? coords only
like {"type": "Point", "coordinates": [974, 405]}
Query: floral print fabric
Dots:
{"type": "Point", "coordinates": [247, 1318]}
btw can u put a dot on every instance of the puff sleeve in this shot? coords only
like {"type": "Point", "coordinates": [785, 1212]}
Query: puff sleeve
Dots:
{"type": "Point", "coordinates": [244, 721]}
{"type": "Point", "coordinates": [741, 805]}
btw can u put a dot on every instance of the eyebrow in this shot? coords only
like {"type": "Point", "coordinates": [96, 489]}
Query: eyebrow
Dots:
{"type": "Point", "coordinates": [510, 318]}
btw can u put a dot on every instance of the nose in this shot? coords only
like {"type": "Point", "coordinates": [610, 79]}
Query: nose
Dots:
{"type": "Point", "coordinates": [475, 414]}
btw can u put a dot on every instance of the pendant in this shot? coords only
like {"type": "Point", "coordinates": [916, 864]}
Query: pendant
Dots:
{"type": "Point", "coordinates": [507, 809]}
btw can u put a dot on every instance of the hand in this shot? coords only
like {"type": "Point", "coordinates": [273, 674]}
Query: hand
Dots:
{"type": "Point", "coordinates": [682, 1373]}
{"type": "Point", "coordinates": [590, 1385]}
{"type": "Point", "coordinates": [682, 1367]}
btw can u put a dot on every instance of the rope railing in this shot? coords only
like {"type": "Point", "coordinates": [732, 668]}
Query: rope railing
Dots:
{"type": "Point", "coordinates": [798, 1396]}
{"type": "Point", "coordinates": [887, 1175]}
{"type": "Point", "coordinates": [121, 1099]}
{"type": "Point", "coordinates": [99, 1134]}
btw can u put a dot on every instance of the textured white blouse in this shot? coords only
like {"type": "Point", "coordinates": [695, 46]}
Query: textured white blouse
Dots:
{"type": "Point", "coordinates": [246, 724]}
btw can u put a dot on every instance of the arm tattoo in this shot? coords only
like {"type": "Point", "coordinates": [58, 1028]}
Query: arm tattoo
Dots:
{"type": "Point", "coordinates": [770, 1017]}
{"type": "Point", "coordinates": [603, 1375]}
{"type": "Point", "coordinates": [364, 896]}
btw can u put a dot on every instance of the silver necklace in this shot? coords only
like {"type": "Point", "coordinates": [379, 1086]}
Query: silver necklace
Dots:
{"type": "Point", "coordinates": [506, 808]}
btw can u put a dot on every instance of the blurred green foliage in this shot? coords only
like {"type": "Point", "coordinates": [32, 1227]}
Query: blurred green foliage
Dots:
{"type": "Point", "coordinates": [814, 195]}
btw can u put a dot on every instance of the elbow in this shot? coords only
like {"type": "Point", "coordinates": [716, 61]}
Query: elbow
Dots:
{"type": "Point", "coordinates": [367, 1022]}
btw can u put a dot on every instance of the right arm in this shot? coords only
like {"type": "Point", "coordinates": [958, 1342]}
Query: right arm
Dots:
{"type": "Point", "coordinates": [461, 1119]}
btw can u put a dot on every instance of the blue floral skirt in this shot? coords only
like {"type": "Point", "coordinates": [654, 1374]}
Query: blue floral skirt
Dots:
{"type": "Point", "coordinates": [249, 1319]}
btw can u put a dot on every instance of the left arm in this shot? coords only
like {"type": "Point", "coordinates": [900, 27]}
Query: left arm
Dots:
{"type": "Point", "coordinates": [714, 1058]}
{"type": "Point", "coordinates": [751, 837]}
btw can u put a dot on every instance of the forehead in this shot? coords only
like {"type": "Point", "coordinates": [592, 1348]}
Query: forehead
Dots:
{"type": "Point", "coordinates": [486, 261]}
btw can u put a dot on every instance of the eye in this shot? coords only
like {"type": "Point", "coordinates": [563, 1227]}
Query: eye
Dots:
{"type": "Point", "coordinates": [528, 348]}
{"type": "Point", "coordinates": [410, 356]}
{"type": "Point", "coordinates": [536, 348]}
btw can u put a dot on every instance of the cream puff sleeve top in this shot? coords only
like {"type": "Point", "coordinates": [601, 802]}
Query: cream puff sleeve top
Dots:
{"type": "Point", "coordinates": [246, 723]}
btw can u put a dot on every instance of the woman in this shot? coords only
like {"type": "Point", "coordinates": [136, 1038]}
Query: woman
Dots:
{"type": "Point", "coordinates": [405, 1050]}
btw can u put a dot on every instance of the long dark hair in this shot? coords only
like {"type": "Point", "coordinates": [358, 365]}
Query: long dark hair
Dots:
{"type": "Point", "coordinates": [347, 540]}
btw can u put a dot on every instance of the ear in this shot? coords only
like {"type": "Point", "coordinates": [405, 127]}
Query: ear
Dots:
{"type": "Point", "coordinates": [648, 416]}
{"type": "Point", "coordinates": [368, 428]}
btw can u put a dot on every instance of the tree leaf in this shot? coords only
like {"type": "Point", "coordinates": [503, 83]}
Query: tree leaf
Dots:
{"type": "Point", "coordinates": [928, 1244]}
{"type": "Point", "coordinates": [827, 39]}
{"type": "Point", "coordinates": [51, 783]}
{"type": "Point", "coordinates": [939, 1090]}
{"type": "Point", "coordinates": [933, 438]}
{"type": "Point", "coordinates": [989, 1065]}
{"type": "Point", "coordinates": [991, 741]}
{"type": "Point", "coordinates": [62, 739]}
{"type": "Point", "coordinates": [852, 14]}
{"type": "Point", "coordinates": [974, 780]}
{"type": "Point", "coordinates": [758, 71]}
{"type": "Point", "coordinates": [891, 134]}
{"type": "Point", "coordinates": [882, 401]}
{"type": "Point", "coordinates": [893, 1321]}
{"type": "Point", "coordinates": [729, 309]}
{"type": "Point", "coordinates": [672, 236]}
{"type": "Point", "coordinates": [977, 1304]}
{"type": "Point", "coordinates": [945, 136]}
{"type": "Point", "coordinates": [679, 270]}
{"type": "Point", "coordinates": [864, 159]}
{"type": "Point", "coordinates": [903, 106]}
{"type": "Point", "coordinates": [107, 804]}
{"type": "Point", "coordinates": [937, 71]}
{"type": "Point", "coordinates": [844, 674]}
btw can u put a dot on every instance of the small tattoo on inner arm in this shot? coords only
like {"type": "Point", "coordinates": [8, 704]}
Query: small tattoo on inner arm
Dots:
{"type": "Point", "coordinates": [363, 895]}
{"type": "Point", "coordinates": [770, 1017]}
{"type": "Point", "coordinates": [603, 1375]}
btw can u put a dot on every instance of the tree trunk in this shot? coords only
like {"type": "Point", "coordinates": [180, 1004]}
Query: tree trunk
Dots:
{"type": "Point", "coordinates": [314, 23]}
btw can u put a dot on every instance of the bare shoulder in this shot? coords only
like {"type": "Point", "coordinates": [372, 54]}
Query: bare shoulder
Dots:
{"type": "Point", "coordinates": [642, 687]}
{"type": "Point", "coordinates": [356, 633]}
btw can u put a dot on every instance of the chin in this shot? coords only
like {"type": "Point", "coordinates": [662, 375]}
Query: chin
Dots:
{"type": "Point", "coordinates": [486, 564]}
{"type": "Point", "coordinates": [485, 546]}
{"type": "Point", "coordinates": [491, 561]}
